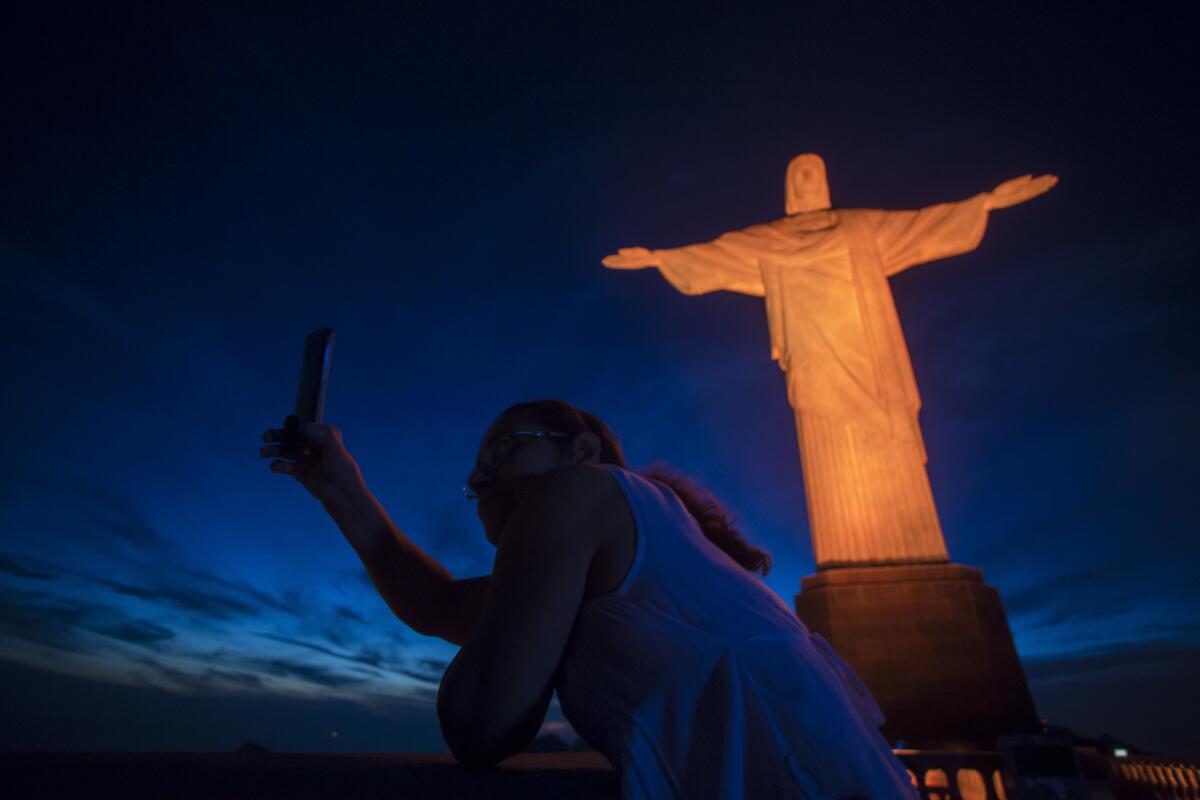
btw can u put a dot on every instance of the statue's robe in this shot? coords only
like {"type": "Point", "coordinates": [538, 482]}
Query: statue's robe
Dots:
{"type": "Point", "coordinates": [836, 334]}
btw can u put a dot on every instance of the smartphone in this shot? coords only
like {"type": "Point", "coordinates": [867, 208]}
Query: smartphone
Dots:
{"type": "Point", "coordinates": [314, 376]}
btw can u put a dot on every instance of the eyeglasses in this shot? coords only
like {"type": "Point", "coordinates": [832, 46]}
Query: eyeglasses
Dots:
{"type": "Point", "coordinates": [500, 449]}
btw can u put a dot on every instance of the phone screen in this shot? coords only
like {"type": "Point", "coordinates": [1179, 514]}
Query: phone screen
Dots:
{"type": "Point", "coordinates": [314, 376]}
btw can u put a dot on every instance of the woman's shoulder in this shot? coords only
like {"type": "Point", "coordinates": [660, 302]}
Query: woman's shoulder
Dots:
{"type": "Point", "coordinates": [612, 525]}
{"type": "Point", "coordinates": [583, 482]}
{"type": "Point", "coordinates": [590, 490]}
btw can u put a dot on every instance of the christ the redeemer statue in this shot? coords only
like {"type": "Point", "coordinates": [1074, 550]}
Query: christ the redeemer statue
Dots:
{"type": "Point", "coordinates": [835, 333]}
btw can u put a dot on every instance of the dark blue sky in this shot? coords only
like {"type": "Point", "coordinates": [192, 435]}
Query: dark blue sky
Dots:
{"type": "Point", "coordinates": [189, 190]}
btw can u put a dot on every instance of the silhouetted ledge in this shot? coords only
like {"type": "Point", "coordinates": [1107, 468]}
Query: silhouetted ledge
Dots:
{"type": "Point", "coordinates": [302, 775]}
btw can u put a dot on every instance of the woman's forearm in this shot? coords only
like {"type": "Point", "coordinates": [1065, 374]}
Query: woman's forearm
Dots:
{"type": "Point", "coordinates": [413, 584]}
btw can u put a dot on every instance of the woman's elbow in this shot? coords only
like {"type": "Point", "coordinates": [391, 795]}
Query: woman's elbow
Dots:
{"type": "Point", "coordinates": [463, 735]}
{"type": "Point", "coordinates": [469, 749]}
{"type": "Point", "coordinates": [473, 758]}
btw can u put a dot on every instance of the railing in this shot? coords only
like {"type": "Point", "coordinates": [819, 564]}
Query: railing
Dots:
{"type": "Point", "coordinates": [1139, 777]}
{"type": "Point", "coordinates": [953, 775]}
{"type": "Point", "coordinates": [937, 775]}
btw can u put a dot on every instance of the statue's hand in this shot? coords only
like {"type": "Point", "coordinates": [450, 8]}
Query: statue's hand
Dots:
{"type": "Point", "coordinates": [1018, 190]}
{"type": "Point", "coordinates": [632, 258]}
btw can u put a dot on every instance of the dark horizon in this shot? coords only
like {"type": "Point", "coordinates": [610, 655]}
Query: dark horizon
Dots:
{"type": "Point", "coordinates": [189, 191]}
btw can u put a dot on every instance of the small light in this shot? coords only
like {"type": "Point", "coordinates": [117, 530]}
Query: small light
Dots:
{"type": "Point", "coordinates": [333, 734]}
{"type": "Point", "coordinates": [1120, 752]}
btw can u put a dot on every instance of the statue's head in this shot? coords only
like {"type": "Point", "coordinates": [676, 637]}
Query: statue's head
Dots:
{"type": "Point", "coordinates": [807, 189]}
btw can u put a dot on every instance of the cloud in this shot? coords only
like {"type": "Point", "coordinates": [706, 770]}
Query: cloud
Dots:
{"type": "Point", "coordinates": [335, 635]}
{"type": "Point", "coordinates": [19, 567]}
{"type": "Point", "coordinates": [131, 530]}
{"type": "Point", "coordinates": [210, 681]}
{"type": "Point", "coordinates": [124, 533]}
{"type": "Point", "coordinates": [162, 581]}
{"type": "Point", "coordinates": [118, 518]}
{"type": "Point", "coordinates": [24, 616]}
{"type": "Point", "coordinates": [48, 710]}
{"type": "Point", "coordinates": [420, 676]}
{"type": "Point", "coordinates": [164, 673]}
{"type": "Point", "coordinates": [56, 622]}
{"type": "Point", "coordinates": [319, 676]}
{"type": "Point", "coordinates": [1140, 660]}
{"type": "Point", "coordinates": [1189, 631]}
{"type": "Point", "coordinates": [289, 605]}
{"type": "Point", "coordinates": [245, 679]}
{"type": "Point", "coordinates": [1076, 615]}
{"type": "Point", "coordinates": [350, 613]}
{"type": "Point", "coordinates": [1108, 602]}
{"type": "Point", "coordinates": [61, 623]}
{"type": "Point", "coordinates": [136, 632]}
{"type": "Point", "coordinates": [92, 496]}
{"type": "Point", "coordinates": [1087, 593]}
{"type": "Point", "coordinates": [368, 657]}
{"type": "Point", "coordinates": [209, 605]}
{"type": "Point", "coordinates": [423, 693]}
{"type": "Point", "coordinates": [426, 670]}
{"type": "Point", "coordinates": [281, 667]}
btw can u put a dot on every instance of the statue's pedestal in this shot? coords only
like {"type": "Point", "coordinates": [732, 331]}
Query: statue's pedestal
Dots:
{"type": "Point", "coordinates": [933, 644]}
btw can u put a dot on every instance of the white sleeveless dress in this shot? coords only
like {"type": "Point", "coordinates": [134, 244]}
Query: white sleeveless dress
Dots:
{"type": "Point", "coordinates": [697, 681]}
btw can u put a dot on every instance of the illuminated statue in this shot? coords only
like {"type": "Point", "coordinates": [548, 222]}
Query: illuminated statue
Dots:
{"type": "Point", "coordinates": [835, 333]}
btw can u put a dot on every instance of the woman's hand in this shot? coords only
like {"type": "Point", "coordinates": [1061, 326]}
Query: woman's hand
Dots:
{"type": "Point", "coordinates": [314, 456]}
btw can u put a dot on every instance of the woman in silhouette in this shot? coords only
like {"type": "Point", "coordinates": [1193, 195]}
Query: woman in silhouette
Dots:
{"type": "Point", "coordinates": [630, 594]}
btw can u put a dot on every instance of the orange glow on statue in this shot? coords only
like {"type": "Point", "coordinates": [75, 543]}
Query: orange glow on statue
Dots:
{"type": "Point", "coordinates": [836, 334]}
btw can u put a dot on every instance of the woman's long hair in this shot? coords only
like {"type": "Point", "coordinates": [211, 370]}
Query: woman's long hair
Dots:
{"type": "Point", "coordinates": [714, 520]}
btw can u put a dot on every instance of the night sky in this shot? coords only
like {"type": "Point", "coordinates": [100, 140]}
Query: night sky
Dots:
{"type": "Point", "coordinates": [189, 190]}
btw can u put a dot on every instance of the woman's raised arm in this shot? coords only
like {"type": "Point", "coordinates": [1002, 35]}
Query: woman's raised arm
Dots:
{"type": "Point", "coordinates": [414, 585]}
{"type": "Point", "coordinates": [462, 608]}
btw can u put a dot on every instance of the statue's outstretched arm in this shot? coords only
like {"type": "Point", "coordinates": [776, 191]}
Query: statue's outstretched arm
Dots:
{"type": "Point", "coordinates": [907, 238]}
{"type": "Point", "coordinates": [1018, 190]}
{"type": "Point", "coordinates": [729, 263]}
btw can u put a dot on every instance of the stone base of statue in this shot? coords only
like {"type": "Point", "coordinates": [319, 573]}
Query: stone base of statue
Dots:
{"type": "Point", "coordinates": [932, 642]}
